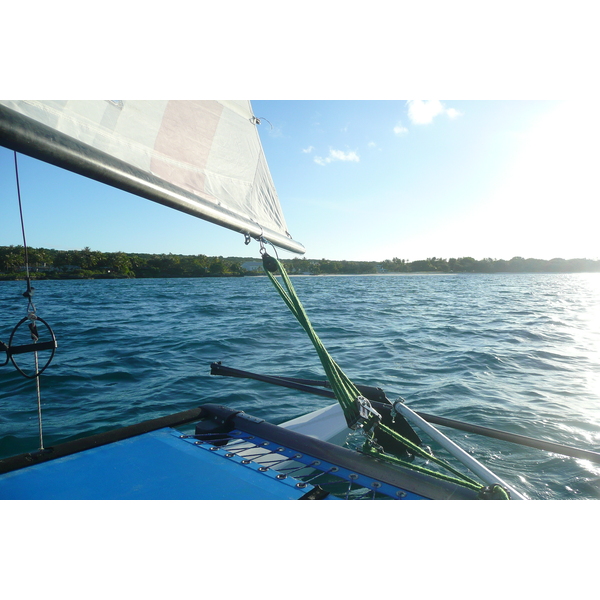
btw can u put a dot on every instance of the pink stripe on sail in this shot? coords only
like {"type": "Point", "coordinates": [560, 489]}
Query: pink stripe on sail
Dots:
{"type": "Point", "coordinates": [185, 136]}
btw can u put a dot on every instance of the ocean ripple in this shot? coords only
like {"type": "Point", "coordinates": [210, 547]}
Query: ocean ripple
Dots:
{"type": "Point", "coordinates": [514, 352]}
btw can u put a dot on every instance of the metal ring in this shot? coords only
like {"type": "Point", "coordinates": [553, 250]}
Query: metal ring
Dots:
{"type": "Point", "coordinates": [40, 371]}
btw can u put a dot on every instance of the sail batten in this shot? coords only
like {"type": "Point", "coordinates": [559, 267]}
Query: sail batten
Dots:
{"type": "Point", "coordinates": [203, 158]}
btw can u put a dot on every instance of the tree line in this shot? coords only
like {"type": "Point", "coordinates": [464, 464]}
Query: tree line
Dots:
{"type": "Point", "coordinates": [466, 264]}
{"type": "Point", "coordinates": [517, 264]}
{"type": "Point", "coordinates": [47, 263]}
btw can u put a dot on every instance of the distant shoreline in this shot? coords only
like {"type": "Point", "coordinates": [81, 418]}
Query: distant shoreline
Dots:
{"type": "Point", "coordinates": [294, 275]}
{"type": "Point", "coordinates": [50, 264]}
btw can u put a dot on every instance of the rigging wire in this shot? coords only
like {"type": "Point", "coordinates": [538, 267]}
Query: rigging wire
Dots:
{"type": "Point", "coordinates": [28, 294]}
{"type": "Point", "coordinates": [30, 307]}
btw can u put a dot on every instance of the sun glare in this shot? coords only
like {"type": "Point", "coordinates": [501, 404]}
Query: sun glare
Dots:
{"type": "Point", "coordinates": [589, 336]}
{"type": "Point", "coordinates": [549, 198]}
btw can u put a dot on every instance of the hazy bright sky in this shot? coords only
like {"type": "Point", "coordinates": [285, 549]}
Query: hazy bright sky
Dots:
{"type": "Point", "coordinates": [364, 180]}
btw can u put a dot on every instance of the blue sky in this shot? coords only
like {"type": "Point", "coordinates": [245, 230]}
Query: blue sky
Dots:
{"type": "Point", "coordinates": [363, 180]}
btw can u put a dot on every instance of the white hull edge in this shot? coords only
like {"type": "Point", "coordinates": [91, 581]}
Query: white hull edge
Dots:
{"type": "Point", "coordinates": [327, 424]}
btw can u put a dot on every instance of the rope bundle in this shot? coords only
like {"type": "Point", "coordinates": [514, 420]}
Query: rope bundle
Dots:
{"type": "Point", "coordinates": [345, 391]}
{"type": "Point", "coordinates": [350, 397]}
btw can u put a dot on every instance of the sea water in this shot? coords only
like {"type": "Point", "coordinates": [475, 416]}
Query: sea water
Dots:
{"type": "Point", "coordinates": [517, 352]}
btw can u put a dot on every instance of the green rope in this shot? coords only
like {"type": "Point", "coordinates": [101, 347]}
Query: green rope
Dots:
{"type": "Point", "coordinates": [461, 480]}
{"type": "Point", "coordinates": [346, 392]}
{"type": "Point", "coordinates": [424, 454]}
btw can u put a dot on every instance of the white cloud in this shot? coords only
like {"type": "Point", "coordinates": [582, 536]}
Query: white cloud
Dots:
{"type": "Point", "coordinates": [341, 155]}
{"type": "Point", "coordinates": [422, 112]}
{"type": "Point", "coordinates": [337, 155]}
{"type": "Point", "coordinates": [453, 113]}
{"type": "Point", "coordinates": [400, 129]}
{"type": "Point", "coordinates": [372, 145]}
{"type": "Point", "coordinates": [308, 150]}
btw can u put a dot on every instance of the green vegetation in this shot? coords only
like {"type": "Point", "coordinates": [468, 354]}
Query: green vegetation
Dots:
{"type": "Point", "coordinates": [90, 264]}
{"type": "Point", "coordinates": [488, 265]}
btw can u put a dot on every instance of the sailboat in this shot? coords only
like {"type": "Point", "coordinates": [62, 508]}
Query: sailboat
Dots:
{"type": "Point", "coordinates": [205, 158]}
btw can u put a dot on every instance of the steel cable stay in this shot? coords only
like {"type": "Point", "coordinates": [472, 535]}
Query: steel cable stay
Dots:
{"type": "Point", "coordinates": [36, 344]}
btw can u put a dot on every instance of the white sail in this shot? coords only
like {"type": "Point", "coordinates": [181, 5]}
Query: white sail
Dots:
{"type": "Point", "coordinates": [200, 157]}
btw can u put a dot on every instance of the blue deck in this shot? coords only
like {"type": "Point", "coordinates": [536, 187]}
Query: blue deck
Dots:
{"type": "Point", "coordinates": [156, 465]}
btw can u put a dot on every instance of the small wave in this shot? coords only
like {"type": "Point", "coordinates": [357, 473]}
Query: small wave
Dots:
{"type": "Point", "coordinates": [453, 346]}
